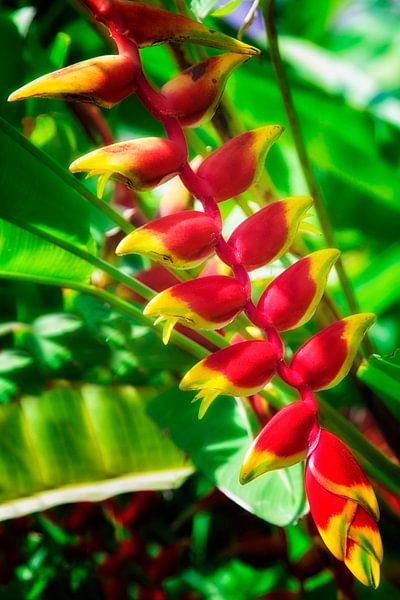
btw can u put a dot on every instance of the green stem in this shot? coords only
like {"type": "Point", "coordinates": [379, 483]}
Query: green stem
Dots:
{"type": "Point", "coordinates": [301, 150]}
{"type": "Point", "coordinates": [129, 309]}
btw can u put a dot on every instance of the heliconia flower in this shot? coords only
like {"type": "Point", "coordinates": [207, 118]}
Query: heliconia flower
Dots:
{"type": "Point", "coordinates": [242, 369]}
{"type": "Point", "coordinates": [269, 233]}
{"type": "Point", "coordinates": [141, 164]}
{"type": "Point", "coordinates": [183, 240]}
{"type": "Point", "coordinates": [104, 81]}
{"type": "Point", "coordinates": [148, 26]}
{"type": "Point", "coordinates": [237, 164]}
{"type": "Point", "coordinates": [326, 358]}
{"type": "Point", "coordinates": [193, 95]}
{"type": "Point", "coordinates": [284, 441]}
{"type": "Point", "coordinates": [344, 508]}
{"type": "Point", "coordinates": [205, 303]}
{"type": "Point", "coordinates": [292, 298]}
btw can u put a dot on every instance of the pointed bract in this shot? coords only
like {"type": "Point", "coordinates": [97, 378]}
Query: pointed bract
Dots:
{"type": "Point", "coordinates": [344, 508]}
{"type": "Point", "coordinates": [193, 95]}
{"type": "Point", "coordinates": [292, 298]}
{"type": "Point", "coordinates": [342, 476]}
{"type": "Point", "coordinates": [183, 240]}
{"type": "Point", "coordinates": [242, 369]}
{"type": "Point", "coordinates": [235, 166]}
{"type": "Point", "coordinates": [104, 81]}
{"type": "Point", "coordinates": [269, 233]}
{"type": "Point", "coordinates": [284, 441]}
{"type": "Point", "coordinates": [141, 164]}
{"type": "Point", "coordinates": [148, 25]}
{"type": "Point", "coordinates": [326, 358]}
{"type": "Point", "coordinates": [204, 303]}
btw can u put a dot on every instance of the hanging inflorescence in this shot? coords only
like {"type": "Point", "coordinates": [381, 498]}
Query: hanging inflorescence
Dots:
{"type": "Point", "coordinates": [342, 501]}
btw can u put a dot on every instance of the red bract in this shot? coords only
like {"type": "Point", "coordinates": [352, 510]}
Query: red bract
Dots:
{"type": "Point", "coordinates": [326, 358]}
{"type": "Point", "coordinates": [205, 303]}
{"type": "Point", "coordinates": [292, 298]}
{"type": "Point", "coordinates": [141, 164]}
{"type": "Point", "coordinates": [148, 25]}
{"type": "Point", "coordinates": [183, 240]}
{"type": "Point", "coordinates": [284, 441]}
{"type": "Point", "coordinates": [193, 95]}
{"type": "Point", "coordinates": [105, 81]}
{"type": "Point", "coordinates": [269, 233]}
{"type": "Point", "coordinates": [235, 166]}
{"type": "Point", "coordinates": [239, 370]}
{"type": "Point", "coordinates": [344, 508]}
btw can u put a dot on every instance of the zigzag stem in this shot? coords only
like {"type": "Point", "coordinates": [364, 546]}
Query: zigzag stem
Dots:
{"type": "Point", "coordinates": [153, 102]}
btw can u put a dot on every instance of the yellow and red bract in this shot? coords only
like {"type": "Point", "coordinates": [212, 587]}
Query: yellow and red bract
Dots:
{"type": "Point", "coordinates": [235, 166]}
{"type": "Point", "coordinates": [284, 441]}
{"type": "Point", "coordinates": [242, 369]}
{"type": "Point", "coordinates": [292, 298]}
{"type": "Point", "coordinates": [204, 303]}
{"type": "Point", "coordinates": [344, 508]}
{"type": "Point", "coordinates": [266, 235]}
{"type": "Point", "coordinates": [182, 240]}
{"type": "Point", "coordinates": [141, 164]}
{"type": "Point", "coordinates": [149, 25]}
{"type": "Point", "coordinates": [104, 80]}
{"type": "Point", "coordinates": [193, 95]}
{"type": "Point", "coordinates": [326, 358]}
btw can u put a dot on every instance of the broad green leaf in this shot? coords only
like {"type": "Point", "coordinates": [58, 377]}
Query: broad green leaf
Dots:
{"type": "Point", "coordinates": [217, 445]}
{"type": "Point", "coordinates": [382, 374]}
{"type": "Point", "coordinates": [22, 254]}
{"type": "Point", "coordinates": [82, 443]}
{"type": "Point", "coordinates": [41, 198]}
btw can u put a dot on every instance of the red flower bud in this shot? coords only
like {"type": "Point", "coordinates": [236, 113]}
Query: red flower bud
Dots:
{"type": "Point", "coordinates": [104, 81]}
{"type": "Point", "coordinates": [239, 370]}
{"type": "Point", "coordinates": [141, 164]}
{"type": "Point", "coordinates": [292, 298]}
{"type": "Point", "coordinates": [204, 303]}
{"type": "Point", "coordinates": [194, 94]}
{"type": "Point", "coordinates": [235, 166]}
{"type": "Point", "coordinates": [183, 240]}
{"type": "Point", "coordinates": [283, 442]}
{"type": "Point", "coordinates": [268, 233]}
{"type": "Point", "coordinates": [148, 25]}
{"type": "Point", "coordinates": [344, 508]}
{"type": "Point", "coordinates": [326, 358]}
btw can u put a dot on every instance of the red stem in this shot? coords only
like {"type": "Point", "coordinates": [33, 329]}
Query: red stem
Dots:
{"type": "Point", "coordinates": [156, 104]}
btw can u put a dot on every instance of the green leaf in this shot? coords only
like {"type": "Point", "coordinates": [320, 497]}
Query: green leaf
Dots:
{"type": "Point", "coordinates": [382, 374]}
{"type": "Point", "coordinates": [226, 8]}
{"type": "Point", "coordinates": [41, 199]}
{"type": "Point", "coordinates": [12, 360]}
{"type": "Point", "coordinates": [217, 445]}
{"type": "Point", "coordinates": [82, 443]}
{"type": "Point", "coordinates": [56, 325]}
{"type": "Point", "coordinates": [23, 253]}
